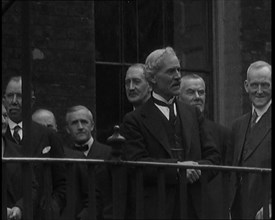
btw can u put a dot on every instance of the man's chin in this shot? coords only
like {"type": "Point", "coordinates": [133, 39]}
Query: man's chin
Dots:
{"type": "Point", "coordinates": [15, 118]}
{"type": "Point", "coordinates": [260, 103]}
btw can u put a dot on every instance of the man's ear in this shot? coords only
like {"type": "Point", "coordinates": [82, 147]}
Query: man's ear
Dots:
{"type": "Point", "coordinates": [153, 80]}
{"type": "Point", "coordinates": [92, 127]}
{"type": "Point", "coordinates": [246, 85]}
{"type": "Point", "coordinates": [67, 129]}
{"type": "Point", "coordinates": [32, 100]}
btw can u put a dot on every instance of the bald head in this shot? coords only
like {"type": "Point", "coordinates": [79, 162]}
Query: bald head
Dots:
{"type": "Point", "coordinates": [45, 117]}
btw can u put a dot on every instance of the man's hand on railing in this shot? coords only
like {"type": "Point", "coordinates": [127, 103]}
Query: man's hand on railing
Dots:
{"type": "Point", "coordinates": [192, 175]}
{"type": "Point", "coordinates": [14, 213]}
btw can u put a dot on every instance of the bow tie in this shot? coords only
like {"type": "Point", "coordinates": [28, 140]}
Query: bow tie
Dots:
{"type": "Point", "coordinates": [172, 116]}
{"type": "Point", "coordinates": [81, 148]}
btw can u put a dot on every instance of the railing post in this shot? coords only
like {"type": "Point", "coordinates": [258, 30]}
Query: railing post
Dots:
{"type": "Point", "coordinates": [119, 175]}
{"type": "Point", "coordinates": [139, 194]}
{"type": "Point", "coordinates": [92, 192]}
{"type": "Point", "coordinates": [27, 191]}
{"type": "Point", "coordinates": [161, 194]}
{"type": "Point", "coordinates": [266, 179]}
{"type": "Point", "coordinates": [47, 189]}
{"type": "Point", "coordinates": [183, 193]}
{"type": "Point", "coordinates": [225, 175]}
{"type": "Point", "coordinates": [69, 210]}
{"type": "Point", "coordinates": [204, 214]}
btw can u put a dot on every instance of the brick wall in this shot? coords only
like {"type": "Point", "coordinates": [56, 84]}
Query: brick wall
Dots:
{"type": "Point", "coordinates": [61, 49]}
{"type": "Point", "coordinates": [63, 54]}
{"type": "Point", "coordinates": [255, 36]}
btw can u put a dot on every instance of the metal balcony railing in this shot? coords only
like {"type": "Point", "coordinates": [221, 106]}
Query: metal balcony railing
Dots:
{"type": "Point", "coordinates": [119, 182]}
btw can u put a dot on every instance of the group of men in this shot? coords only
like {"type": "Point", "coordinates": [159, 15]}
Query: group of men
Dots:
{"type": "Point", "coordinates": [150, 137]}
{"type": "Point", "coordinates": [167, 124]}
{"type": "Point", "coordinates": [46, 142]}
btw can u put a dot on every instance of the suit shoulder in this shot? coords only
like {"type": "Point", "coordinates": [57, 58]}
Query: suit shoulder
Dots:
{"type": "Point", "coordinates": [104, 147]}
{"type": "Point", "coordinates": [240, 119]}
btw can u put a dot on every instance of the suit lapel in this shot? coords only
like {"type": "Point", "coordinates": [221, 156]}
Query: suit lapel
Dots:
{"type": "Point", "coordinates": [241, 140]}
{"type": "Point", "coordinates": [94, 151]}
{"type": "Point", "coordinates": [258, 133]}
{"type": "Point", "coordinates": [8, 135]}
{"type": "Point", "coordinates": [183, 115]}
{"type": "Point", "coordinates": [152, 120]}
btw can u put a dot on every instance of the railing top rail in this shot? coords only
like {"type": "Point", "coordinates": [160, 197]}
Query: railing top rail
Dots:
{"type": "Point", "coordinates": [135, 164]}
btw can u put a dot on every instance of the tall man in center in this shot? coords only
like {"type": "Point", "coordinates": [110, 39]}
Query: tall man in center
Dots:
{"type": "Point", "coordinates": [163, 126]}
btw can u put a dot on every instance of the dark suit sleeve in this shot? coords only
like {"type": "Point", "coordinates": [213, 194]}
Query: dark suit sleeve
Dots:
{"type": "Point", "coordinates": [58, 170]}
{"type": "Point", "coordinates": [209, 152]}
{"type": "Point", "coordinates": [35, 186]}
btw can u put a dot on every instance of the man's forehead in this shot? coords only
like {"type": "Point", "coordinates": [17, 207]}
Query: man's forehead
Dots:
{"type": "Point", "coordinates": [79, 114]}
{"type": "Point", "coordinates": [12, 85]}
{"type": "Point", "coordinates": [262, 72]}
{"type": "Point", "coordinates": [170, 61]}
{"type": "Point", "coordinates": [193, 82]}
{"type": "Point", "coordinates": [135, 71]}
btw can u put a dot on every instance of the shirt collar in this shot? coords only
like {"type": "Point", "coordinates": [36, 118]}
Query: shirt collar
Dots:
{"type": "Point", "coordinates": [260, 112]}
{"type": "Point", "coordinates": [12, 124]}
{"type": "Point", "coordinates": [158, 97]}
{"type": "Point", "coordinates": [89, 143]}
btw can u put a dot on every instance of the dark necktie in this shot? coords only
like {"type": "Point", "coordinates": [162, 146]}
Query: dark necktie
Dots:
{"type": "Point", "coordinates": [81, 148]}
{"type": "Point", "coordinates": [172, 116]}
{"type": "Point", "coordinates": [253, 119]}
{"type": "Point", "coordinates": [16, 135]}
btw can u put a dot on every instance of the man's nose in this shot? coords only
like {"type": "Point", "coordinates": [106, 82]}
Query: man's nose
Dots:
{"type": "Point", "coordinates": [177, 74]}
{"type": "Point", "coordinates": [14, 98]}
{"type": "Point", "coordinates": [259, 89]}
{"type": "Point", "coordinates": [131, 86]}
{"type": "Point", "coordinates": [197, 94]}
{"type": "Point", "coordinates": [79, 125]}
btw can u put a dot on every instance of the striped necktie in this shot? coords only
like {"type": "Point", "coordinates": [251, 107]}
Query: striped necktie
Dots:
{"type": "Point", "coordinates": [16, 135]}
{"type": "Point", "coordinates": [253, 119]}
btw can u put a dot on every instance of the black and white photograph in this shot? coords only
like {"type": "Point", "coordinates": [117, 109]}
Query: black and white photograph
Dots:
{"type": "Point", "coordinates": [136, 109]}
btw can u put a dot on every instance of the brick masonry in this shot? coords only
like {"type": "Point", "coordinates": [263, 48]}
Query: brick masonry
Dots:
{"type": "Point", "coordinates": [63, 56]}
{"type": "Point", "coordinates": [255, 36]}
{"type": "Point", "coordinates": [61, 51]}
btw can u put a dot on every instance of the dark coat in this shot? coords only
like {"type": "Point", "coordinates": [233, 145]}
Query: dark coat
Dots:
{"type": "Point", "coordinates": [219, 185]}
{"type": "Point", "coordinates": [147, 140]}
{"type": "Point", "coordinates": [103, 182]}
{"type": "Point", "coordinates": [15, 176]}
{"type": "Point", "coordinates": [46, 143]}
{"type": "Point", "coordinates": [258, 155]}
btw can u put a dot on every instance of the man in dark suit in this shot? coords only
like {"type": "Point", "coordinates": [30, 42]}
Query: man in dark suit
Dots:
{"type": "Point", "coordinates": [80, 125]}
{"type": "Point", "coordinates": [162, 126]}
{"type": "Point", "coordinates": [192, 92]}
{"type": "Point", "coordinates": [14, 175]}
{"type": "Point", "coordinates": [44, 143]}
{"type": "Point", "coordinates": [252, 144]}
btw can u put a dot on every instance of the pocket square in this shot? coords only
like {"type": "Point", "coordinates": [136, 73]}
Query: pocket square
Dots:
{"type": "Point", "coordinates": [46, 149]}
